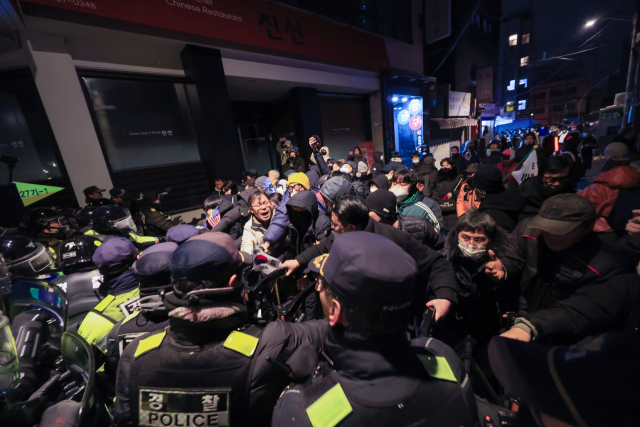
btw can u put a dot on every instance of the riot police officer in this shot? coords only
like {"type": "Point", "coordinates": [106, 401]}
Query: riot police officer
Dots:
{"type": "Point", "coordinates": [156, 223]}
{"type": "Point", "coordinates": [210, 366]}
{"type": "Point", "coordinates": [81, 278]}
{"type": "Point", "coordinates": [23, 256]}
{"type": "Point", "coordinates": [152, 271]}
{"type": "Point", "coordinates": [84, 218]}
{"type": "Point", "coordinates": [113, 220]}
{"type": "Point", "coordinates": [119, 288]}
{"type": "Point", "coordinates": [373, 375]}
{"type": "Point", "coordinates": [50, 228]}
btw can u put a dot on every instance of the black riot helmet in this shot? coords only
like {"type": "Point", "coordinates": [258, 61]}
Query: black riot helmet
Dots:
{"type": "Point", "coordinates": [113, 219]}
{"type": "Point", "coordinates": [24, 256]}
{"type": "Point", "coordinates": [42, 218]}
{"type": "Point", "coordinates": [100, 202]}
{"type": "Point", "coordinates": [85, 216]}
{"type": "Point", "coordinates": [76, 252]}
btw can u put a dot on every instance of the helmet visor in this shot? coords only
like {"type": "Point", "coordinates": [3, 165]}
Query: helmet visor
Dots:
{"type": "Point", "coordinates": [126, 226]}
{"type": "Point", "coordinates": [9, 368]}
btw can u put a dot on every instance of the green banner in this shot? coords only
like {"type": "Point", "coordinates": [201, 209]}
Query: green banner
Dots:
{"type": "Point", "coordinates": [31, 193]}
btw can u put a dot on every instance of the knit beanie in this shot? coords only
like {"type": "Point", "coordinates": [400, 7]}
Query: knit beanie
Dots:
{"type": "Point", "coordinates": [488, 178]}
{"type": "Point", "coordinates": [616, 149]}
{"type": "Point", "coordinates": [383, 202]}
{"type": "Point", "coordinates": [299, 178]}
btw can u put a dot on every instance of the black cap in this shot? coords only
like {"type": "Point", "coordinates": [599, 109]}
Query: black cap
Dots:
{"type": "Point", "coordinates": [563, 213]}
{"type": "Point", "coordinates": [93, 189]}
{"type": "Point", "coordinates": [488, 179]}
{"type": "Point", "coordinates": [117, 192]}
{"type": "Point", "coordinates": [369, 270]}
{"type": "Point", "coordinates": [595, 380]}
{"type": "Point", "coordinates": [389, 167]}
{"type": "Point", "coordinates": [383, 202]}
{"type": "Point", "coordinates": [152, 270]}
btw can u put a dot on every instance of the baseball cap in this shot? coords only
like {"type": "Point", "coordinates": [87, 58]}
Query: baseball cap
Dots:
{"type": "Point", "coordinates": [181, 233]}
{"type": "Point", "coordinates": [368, 270]}
{"type": "Point", "coordinates": [591, 383]}
{"type": "Point", "coordinates": [93, 189]}
{"type": "Point", "coordinates": [117, 192]}
{"type": "Point", "coordinates": [114, 251]}
{"type": "Point", "coordinates": [389, 167]}
{"type": "Point", "coordinates": [563, 213]}
{"type": "Point", "coordinates": [472, 168]}
{"type": "Point", "coordinates": [160, 247]}
{"type": "Point", "coordinates": [383, 202]}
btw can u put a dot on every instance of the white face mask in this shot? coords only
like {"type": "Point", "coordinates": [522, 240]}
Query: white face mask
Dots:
{"type": "Point", "coordinates": [473, 252]}
{"type": "Point", "coordinates": [401, 194]}
{"type": "Point", "coordinates": [382, 158]}
{"type": "Point", "coordinates": [416, 161]}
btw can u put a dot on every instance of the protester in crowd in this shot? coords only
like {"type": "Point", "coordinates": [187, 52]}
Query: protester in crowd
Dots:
{"type": "Point", "coordinates": [426, 171]}
{"type": "Point", "coordinates": [256, 227]}
{"type": "Point", "coordinates": [529, 144]}
{"type": "Point", "coordinates": [382, 208]}
{"type": "Point", "coordinates": [294, 163]}
{"type": "Point", "coordinates": [494, 156]}
{"type": "Point", "coordinates": [412, 202]}
{"type": "Point", "coordinates": [355, 155]}
{"type": "Point", "coordinates": [333, 189]}
{"type": "Point", "coordinates": [389, 170]}
{"type": "Point", "coordinates": [284, 147]}
{"type": "Point", "coordinates": [366, 302]}
{"type": "Point", "coordinates": [482, 257]}
{"type": "Point", "coordinates": [447, 190]}
{"type": "Point", "coordinates": [603, 193]}
{"type": "Point", "coordinates": [307, 225]}
{"type": "Point", "coordinates": [458, 160]}
{"type": "Point", "coordinates": [553, 179]}
{"type": "Point", "coordinates": [379, 183]}
{"type": "Point", "coordinates": [218, 183]}
{"type": "Point", "coordinates": [396, 161]}
{"type": "Point", "coordinates": [561, 252]}
{"type": "Point", "coordinates": [275, 199]}
{"type": "Point", "coordinates": [378, 163]}
{"type": "Point", "coordinates": [233, 221]}
{"type": "Point", "coordinates": [503, 205]}
{"type": "Point", "coordinates": [507, 165]}
{"type": "Point", "coordinates": [615, 154]}
{"type": "Point", "coordinates": [467, 196]}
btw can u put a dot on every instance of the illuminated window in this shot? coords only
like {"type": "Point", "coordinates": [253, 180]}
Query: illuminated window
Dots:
{"type": "Point", "coordinates": [524, 61]}
{"type": "Point", "coordinates": [526, 38]}
{"type": "Point", "coordinates": [513, 40]}
{"type": "Point", "coordinates": [512, 85]}
{"type": "Point", "coordinates": [522, 104]}
{"type": "Point", "coordinates": [523, 82]}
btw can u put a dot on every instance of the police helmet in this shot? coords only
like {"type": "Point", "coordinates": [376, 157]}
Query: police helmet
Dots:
{"type": "Point", "coordinates": [84, 217]}
{"type": "Point", "coordinates": [24, 256]}
{"type": "Point", "coordinates": [100, 202]}
{"type": "Point", "coordinates": [41, 219]}
{"type": "Point", "coordinates": [77, 251]}
{"type": "Point", "coordinates": [113, 218]}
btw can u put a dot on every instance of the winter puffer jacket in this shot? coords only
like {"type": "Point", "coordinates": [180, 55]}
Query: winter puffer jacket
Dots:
{"type": "Point", "coordinates": [308, 226]}
{"type": "Point", "coordinates": [378, 164]}
{"type": "Point", "coordinates": [604, 192]}
{"type": "Point", "coordinates": [422, 230]}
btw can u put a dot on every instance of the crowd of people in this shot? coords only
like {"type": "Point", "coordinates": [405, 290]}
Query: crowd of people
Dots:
{"type": "Point", "coordinates": [392, 267]}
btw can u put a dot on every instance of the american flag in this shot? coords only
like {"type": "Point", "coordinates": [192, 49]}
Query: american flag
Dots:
{"type": "Point", "coordinates": [214, 219]}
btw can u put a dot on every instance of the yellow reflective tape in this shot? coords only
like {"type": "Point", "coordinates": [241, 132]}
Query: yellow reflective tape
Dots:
{"type": "Point", "coordinates": [242, 343]}
{"type": "Point", "coordinates": [149, 343]}
{"type": "Point", "coordinates": [97, 242]}
{"type": "Point", "coordinates": [331, 408]}
{"type": "Point", "coordinates": [131, 316]}
{"type": "Point", "coordinates": [104, 303]}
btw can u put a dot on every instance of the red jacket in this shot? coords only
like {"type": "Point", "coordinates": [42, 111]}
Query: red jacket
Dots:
{"type": "Point", "coordinates": [604, 191]}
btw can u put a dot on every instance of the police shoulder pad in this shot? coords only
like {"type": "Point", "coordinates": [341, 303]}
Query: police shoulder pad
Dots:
{"type": "Point", "coordinates": [149, 343]}
{"type": "Point", "coordinates": [242, 343]}
{"type": "Point", "coordinates": [131, 316]}
{"type": "Point", "coordinates": [437, 367]}
{"type": "Point", "coordinates": [102, 305]}
{"type": "Point", "coordinates": [331, 408]}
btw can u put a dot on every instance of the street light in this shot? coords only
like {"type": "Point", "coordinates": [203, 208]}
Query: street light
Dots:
{"type": "Point", "coordinates": [590, 23]}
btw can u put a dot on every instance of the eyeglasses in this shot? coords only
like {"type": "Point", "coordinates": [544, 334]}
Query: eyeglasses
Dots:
{"type": "Point", "coordinates": [261, 205]}
{"type": "Point", "coordinates": [294, 187]}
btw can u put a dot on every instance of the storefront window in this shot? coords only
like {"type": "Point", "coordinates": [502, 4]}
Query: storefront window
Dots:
{"type": "Point", "coordinates": [142, 123]}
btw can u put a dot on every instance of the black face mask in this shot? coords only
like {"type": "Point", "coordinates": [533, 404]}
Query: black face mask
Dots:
{"type": "Point", "coordinates": [301, 221]}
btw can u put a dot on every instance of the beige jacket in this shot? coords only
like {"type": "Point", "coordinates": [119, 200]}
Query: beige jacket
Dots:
{"type": "Point", "coordinates": [253, 233]}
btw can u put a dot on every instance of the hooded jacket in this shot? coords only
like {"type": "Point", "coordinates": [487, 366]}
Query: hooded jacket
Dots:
{"type": "Point", "coordinates": [504, 207]}
{"type": "Point", "coordinates": [335, 188]}
{"type": "Point", "coordinates": [378, 164]}
{"type": "Point", "coordinates": [493, 159]}
{"type": "Point", "coordinates": [357, 157]}
{"type": "Point", "coordinates": [308, 226]}
{"type": "Point", "coordinates": [482, 301]}
{"type": "Point", "coordinates": [324, 156]}
{"type": "Point", "coordinates": [397, 162]}
{"type": "Point", "coordinates": [449, 181]}
{"type": "Point", "coordinates": [604, 192]}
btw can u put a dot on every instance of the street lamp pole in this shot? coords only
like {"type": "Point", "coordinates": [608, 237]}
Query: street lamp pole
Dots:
{"type": "Point", "coordinates": [631, 74]}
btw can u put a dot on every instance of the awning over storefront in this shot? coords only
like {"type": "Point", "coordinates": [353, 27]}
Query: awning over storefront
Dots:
{"type": "Point", "coordinates": [455, 123]}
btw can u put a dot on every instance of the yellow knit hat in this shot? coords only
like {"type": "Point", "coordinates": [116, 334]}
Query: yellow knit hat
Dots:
{"type": "Point", "coordinates": [299, 178]}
